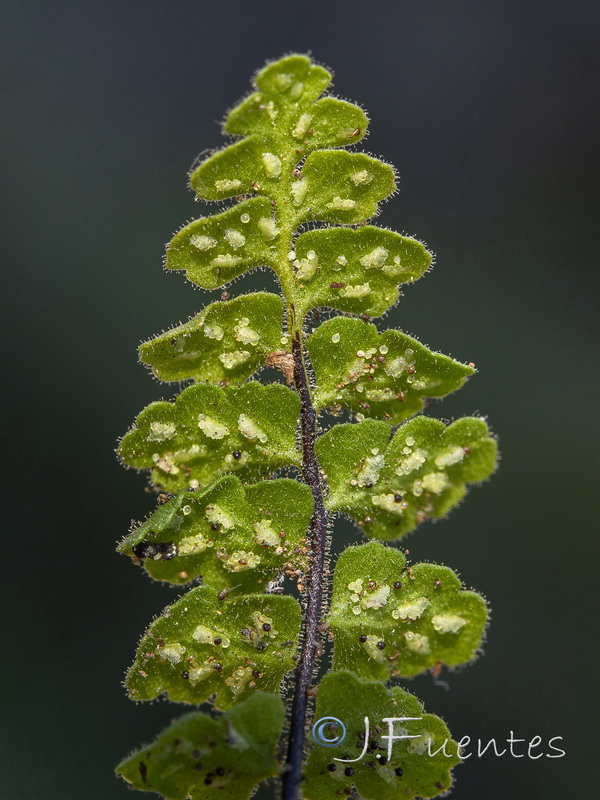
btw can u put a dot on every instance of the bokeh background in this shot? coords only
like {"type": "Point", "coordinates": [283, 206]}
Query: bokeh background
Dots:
{"type": "Point", "coordinates": [489, 112]}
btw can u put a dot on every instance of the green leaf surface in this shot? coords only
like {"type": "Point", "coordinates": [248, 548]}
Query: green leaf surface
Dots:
{"type": "Point", "coordinates": [232, 536]}
{"type": "Point", "coordinates": [388, 618]}
{"type": "Point", "coordinates": [390, 486]}
{"type": "Point", "coordinates": [246, 167]}
{"type": "Point", "coordinates": [202, 646]}
{"type": "Point", "coordinates": [410, 772]}
{"type": "Point", "coordinates": [209, 431]}
{"type": "Point", "coordinates": [349, 190]}
{"type": "Point", "coordinates": [285, 110]}
{"type": "Point", "coordinates": [200, 757]}
{"type": "Point", "coordinates": [356, 271]}
{"type": "Point", "coordinates": [284, 88]}
{"type": "Point", "coordinates": [337, 186]}
{"type": "Point", "coordinates": [330, 122]}
{"type": "Point", "coordinates": [226, 343]}
{"type": "Point", "coordinates": [214, 250]}
{"type": "Point", "coordinates": [382, 376]}
{"type": "Point", "coordinates": [282, 123]}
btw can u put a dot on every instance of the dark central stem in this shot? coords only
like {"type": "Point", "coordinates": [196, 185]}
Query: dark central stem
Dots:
{"type": "Point", "coordinates": [315, 581]}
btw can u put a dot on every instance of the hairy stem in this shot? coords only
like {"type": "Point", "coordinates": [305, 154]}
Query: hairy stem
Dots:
{"type": "Point", "coordinates": [315, 580]}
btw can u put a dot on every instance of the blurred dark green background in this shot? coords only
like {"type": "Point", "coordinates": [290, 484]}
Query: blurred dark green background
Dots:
{"type": "Point", "coordinates": [489, 112]}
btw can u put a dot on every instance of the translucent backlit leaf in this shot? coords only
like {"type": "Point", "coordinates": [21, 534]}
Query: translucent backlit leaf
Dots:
{"type": "Point", "coordinates": [255, 164]}
{"type": "Point", "coordinates": [215, 250]}
{"type": "Point", "coordinates": [234, 637]}
{"type": "Point", "coordinates": [383, 376]}
{"type": "Point", "coordinates": [198, 754]}
{"type": "Point", "coordinates": [390, 486]}
{"type": "Point", "coordinates": [226, 343]}
{"type": "Point", "coordinates": [232, 536]}
{"type": "Point", "coordinates": [390, 618]}
{"type": "Point", "coordinates": [242, 168]}
{"type": "Point", "coordinates": [286, 108]}
{"type": "Point", "coordinates": [337, 186]}
{"type": "Point", "coordinates": [202, 646]}
{"type": "Point", "coordinates": [209, 431]}
{"type": "Point", "coordinates": [330, 122]}
{"type": "Point", "coordinates": [284, 89]}
{"type": "Point", "coordinates": [416, 766]}
{"type": "Point", "coordinates": [357, 271]}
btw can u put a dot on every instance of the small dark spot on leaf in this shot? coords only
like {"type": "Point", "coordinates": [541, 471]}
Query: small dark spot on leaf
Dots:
{"type": "Point", "coordinates": [157, 551]}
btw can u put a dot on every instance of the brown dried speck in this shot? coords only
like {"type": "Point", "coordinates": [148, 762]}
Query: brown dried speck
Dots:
{"type": "Point", "coordinates": [284, 362]}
